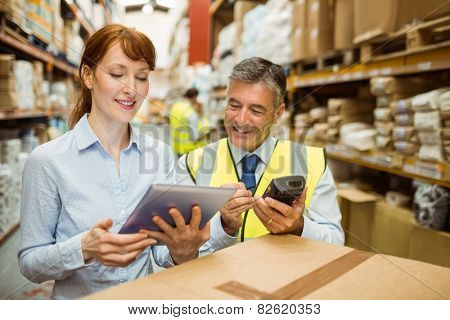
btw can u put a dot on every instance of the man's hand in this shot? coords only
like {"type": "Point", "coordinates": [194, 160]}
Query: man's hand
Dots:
{"type": "Point", "coordinates": [231, 212]}
{"type": "Point", "coordinates": [279, 218]}
{"type": "Point", "coordinates": [113, 250]}
{"type": "Point", "coordinates": [184, 240]}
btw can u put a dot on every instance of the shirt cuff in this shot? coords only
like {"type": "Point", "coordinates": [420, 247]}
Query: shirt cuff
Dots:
{"type": "Point", "coordinates": [310, 229]}
{"type": "Point", "coordinates": [162, 257]}
{"type": "Point", "coordinates": [71, 253]}
{"type": "Point", "coordinates": [219, 238]}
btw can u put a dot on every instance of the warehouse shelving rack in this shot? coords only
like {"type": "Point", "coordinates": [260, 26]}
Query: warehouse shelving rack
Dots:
{"type": "Point", "coordinates": [416, 58]}
{"type": "Point", "coordinates": [11, 38]}
{"type": "Point", "coordinates": [421, 60]}
{"type": "Point", "coordinates": [15, 40]}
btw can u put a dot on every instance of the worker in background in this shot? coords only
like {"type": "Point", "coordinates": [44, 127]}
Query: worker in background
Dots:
{"type": "Point", "coordinates": [203, 125]}
{"type": "Point", "coordinates": [185, 122]}
{"type": "Point", "coordinates": [250, 158]}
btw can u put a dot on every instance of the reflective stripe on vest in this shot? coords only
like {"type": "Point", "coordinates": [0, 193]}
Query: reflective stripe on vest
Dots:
{"type": "Point", "coordinates": [179, 127]}
{"type": "Point", "coordinates": [213, 166]}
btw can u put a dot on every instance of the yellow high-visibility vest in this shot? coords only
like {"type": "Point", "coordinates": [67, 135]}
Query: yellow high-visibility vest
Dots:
{"type": "Point", "coordinates": [213, 165]}
{"type": "Point", "coordinates": [204, 126]}
{"type": "Point", "coordinates": [179, 127]}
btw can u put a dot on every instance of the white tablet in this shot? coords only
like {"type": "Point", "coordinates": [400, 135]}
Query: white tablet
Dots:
{"type": "Point", "coordinates": [161, 197]}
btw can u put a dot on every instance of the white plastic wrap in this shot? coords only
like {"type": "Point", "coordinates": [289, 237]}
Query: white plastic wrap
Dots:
{"type": "Point", "coordinates": [360, 136]}
{"type": "Point", "coordinates": [226, 38]}
{"type": "Point", "coordinates": [58, 94]}
{"type": "Point", "coordinates": [404, 119]}
{"type": "Point", "coordinates": [444, 100]}
{"type": "Point", "coordinates": [384, 128]}
{"type": "Point", "coordinates": [23, 72]}
{"type": "Point", "coordinates": [428, 101]}
{"type": "Point", "coordinates": [98, 13]}
{"type": "Point", "coordinates": [274, 41]}
{"type": "Point", "coordinates": [383, 142]}
{"type": "Point", "coordinates": [401, 106]}
{"type": "Point", "coordinates": [406, 147]}
{"type": "Point", "coordinates": [253, 22]}
{"type": "Point", "coordinates": [431, 152]}
{"type": "Point", "coordinates": [430, 137]}
{"type": "Point", "coordinates": [403, 133]}
{"type": "Point", "coordinates": [382, 114]}
{"type": "Point", "coordinates": [427, 120]}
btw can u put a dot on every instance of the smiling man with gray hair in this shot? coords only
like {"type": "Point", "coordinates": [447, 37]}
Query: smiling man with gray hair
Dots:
{"type": "Point", "coordinates": [250, 158]}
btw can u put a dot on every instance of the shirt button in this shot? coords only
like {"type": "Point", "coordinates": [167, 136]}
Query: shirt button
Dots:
{"type": "Point", "coordinates": [122, 212]}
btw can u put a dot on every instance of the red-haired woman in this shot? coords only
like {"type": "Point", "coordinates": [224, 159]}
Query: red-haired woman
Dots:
{"type": "Point", "coordinates": [79, 189]}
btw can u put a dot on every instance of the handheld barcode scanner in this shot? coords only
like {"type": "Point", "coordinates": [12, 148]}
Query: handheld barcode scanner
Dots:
{"type": "Point", "coordinates": [285, 189]}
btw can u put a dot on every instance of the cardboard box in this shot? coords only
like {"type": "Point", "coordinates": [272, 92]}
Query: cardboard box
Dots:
{"type": "Point", "coordinates": [349, 106]}
{"type": "Point", "coordinates": [377, 18]}
{"type": "Point", "coordinates": [392, 227]}
{"type": "Point", "coordinates": [7, 65]}
{"type": "Point", "coordinates": [320, 27]}
{"type": "Point", "coordinates": [357, 209]}
{"type": "Point", "coordinates": [429, 245]}
{"type": "Point", "coordinates": [398, 86]}
{"type": "Point", "coordinates": [8, 99]}
{"type": "Point", "coordinates": [290, 267]}
{"type": "Point", "coordinates": [343, 24]}
{"type": "Point", "coordinates": [8, 84]}
{"type": "Point", "coordinates": [299, 32]}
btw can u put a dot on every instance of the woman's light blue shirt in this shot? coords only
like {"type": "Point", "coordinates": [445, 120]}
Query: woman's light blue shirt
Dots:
{"type": "Point", "coordinates": [72, 182]}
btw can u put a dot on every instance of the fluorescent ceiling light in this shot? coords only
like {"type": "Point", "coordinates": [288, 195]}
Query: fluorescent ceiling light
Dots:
{"type": "Point", "coordinates": [147, 9]}
{"type": "Point", "coordinates": [166, 3]}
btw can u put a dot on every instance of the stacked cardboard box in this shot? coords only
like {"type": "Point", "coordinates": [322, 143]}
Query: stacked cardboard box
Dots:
{"type": "Point", "coordinates": [444, 104]}
{"type": "Point", "coordinates": [346, 110]}
{"type": "Point", "coordinates": [302, 122]}
{"type": "Point", "coordinates": [427, 122]}
{"type": "Point", "coordinates": [388, 90]}
{"type": "Point", "coordinates": [8, 96]}
{"type": "Point", "coordinates": [290, 267]}
{"type": "Point", "coordinates": [320, 17]}
{"type": "Point", "coordinates": [403, 132]}
{"type": "Point", "coordinates": [316, 135]}
{"type": "Point", "coordinates": [13, 9]}
{"type": "Point", "coordinates": [343, 24]}
{"type": "Point", "coordinates": [299, 36]}
{"type": "Point", "coordinates": [40, 19]}
{"type": "Point", "coordinates": [376, 18]}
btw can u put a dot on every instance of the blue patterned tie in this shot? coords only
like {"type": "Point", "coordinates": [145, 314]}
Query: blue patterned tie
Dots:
{"type": "Point", "coordinates": [249, 164]}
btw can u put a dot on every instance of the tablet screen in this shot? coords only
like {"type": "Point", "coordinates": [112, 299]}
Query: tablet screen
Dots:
{"type": "Point", "coordinates": [161, 197]}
